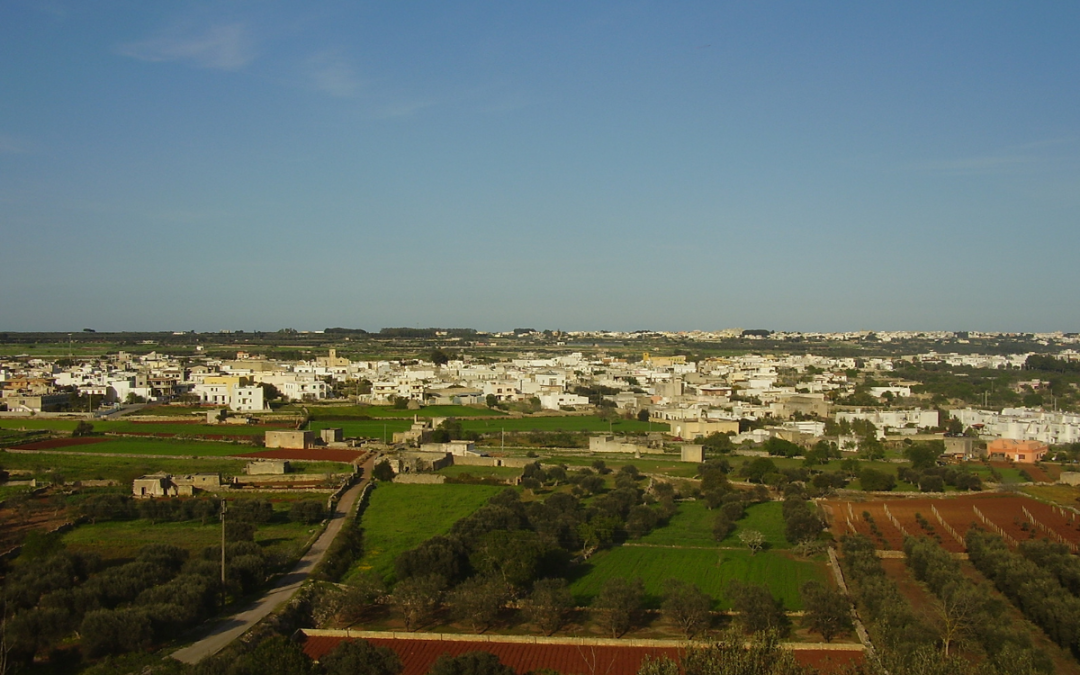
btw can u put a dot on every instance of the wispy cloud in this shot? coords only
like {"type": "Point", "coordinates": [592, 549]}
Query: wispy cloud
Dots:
{"type": "Point", "coordinates": [220, 46]}
{"type": "Point", "coordinates": [331, 74]}
{"type": "Point", "coordinates": [1011, 158]}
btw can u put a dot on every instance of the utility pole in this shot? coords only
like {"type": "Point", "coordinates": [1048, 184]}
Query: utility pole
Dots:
{"type": "Point", "coordinates": [224, 508]}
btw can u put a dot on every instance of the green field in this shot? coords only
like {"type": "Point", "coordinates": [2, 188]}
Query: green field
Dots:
{"type": "Point", "coordinates": [481, 471]}
{"type": "Point", "coordinates": [327, 412]}
{"type": "Point", "coordinates": [693, 523]}
{"type": "Point", "coordinates": [123, 539]}
{"type": "Point", "coordinates": [399, 517]}
{"type": "Point", "coordinates": [1008, 474]}
{"type": "Point", "coordinates": [365, 428]}
{"type": "Point", "coordinates": [130, 427]}
{"type": "Point", "coordinates": [711, 570]}
{"type": "Point", "coordinates": [375, 428]}
{"type": "Point", "coordinates": [127, 469]}
{"type": "Point", "coordinates": [670, 466]}
{"type": "Point", "coordinates": [8, 491]}
{"type": "Point", "coordinates": [175, 411]}
{"type": "Point", "coordinates": [566, 423]}
{"type": "Point", "coordinates": [156, 446]}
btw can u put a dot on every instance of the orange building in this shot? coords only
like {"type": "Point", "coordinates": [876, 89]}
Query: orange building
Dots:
{"type": "Point", "coordinates": [1021, 452]}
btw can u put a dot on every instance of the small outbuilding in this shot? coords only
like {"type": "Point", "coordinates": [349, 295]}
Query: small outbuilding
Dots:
{"type": "Point", "coordinates": [293, 440]}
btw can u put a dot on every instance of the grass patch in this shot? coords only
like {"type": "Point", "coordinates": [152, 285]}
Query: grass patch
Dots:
{"type": "Point", "coordinates": [1008, 474]}
{"type": "Point", "coordinates": [710, 570]}
{"type": "Point", "coordinates": [133, 427]}
{"type": "Point", "coordinates": [117, 540]}
{"type": "Point", "coordinates": [768, 519]}
{"type": "Point", "coordinates": [481, 471]}
{"type": "Point", "coordinates": [365, 428]}
{"type": "Point", "coordinates": [126, 469]}
{"type": "Point", "coordinates": [154, 446]}
{"type": "Point", "coordinates": [565, 423]}
{"type": "Point", "coordinates": [668, 466]}
{"type": "Point", "coordinates": [174, 410]}
{"type": "Point", "coordinates": [374, 428]}
{"type": "Point", "coordinates": [692, 525]}
{"type": "Point", "coordinates": [336, 412]}
{"type": "Point", "coordinates": [399, 517]}
{"type": "Point", "coordinates": [1066, 495]}
{"type": "Point", "coordinates": [9, 491]}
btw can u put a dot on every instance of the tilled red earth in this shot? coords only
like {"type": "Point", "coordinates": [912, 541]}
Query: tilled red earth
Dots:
{"type": "Point", "coordinates": [1010, 513]}
{"type": "Point", "coordinates": [311, 454]}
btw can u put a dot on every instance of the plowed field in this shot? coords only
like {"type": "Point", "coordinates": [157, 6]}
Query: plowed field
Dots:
{"type": "Point", "coordinates": [311, 454]}
{"type": "Point", "coordinates": [1011, 513]}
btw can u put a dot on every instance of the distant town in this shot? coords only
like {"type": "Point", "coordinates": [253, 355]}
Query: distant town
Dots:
{"type": "Point", "coordinates": [536, 498]}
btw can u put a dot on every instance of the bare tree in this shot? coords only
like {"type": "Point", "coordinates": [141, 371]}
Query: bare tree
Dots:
{"type": "Point", "coordinates": [753, 540]}
{"type": "Point", "coordinates": [955, 615]}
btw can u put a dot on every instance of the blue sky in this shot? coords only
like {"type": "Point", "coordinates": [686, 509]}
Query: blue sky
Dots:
{"type": "Point", "coordinates": [566, 165]}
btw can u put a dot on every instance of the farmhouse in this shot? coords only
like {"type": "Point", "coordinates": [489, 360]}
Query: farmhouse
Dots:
{"type": "Point", "coordinates": [455, 448]}
{"type": "Point", "coordinates": [296, 440]}
{"type": "Point", "coordinates": [1022, 452]}
{"type": "Point", "coordinates": [165, 485]}
{"type": "Point", "coordinates": [267, 467]}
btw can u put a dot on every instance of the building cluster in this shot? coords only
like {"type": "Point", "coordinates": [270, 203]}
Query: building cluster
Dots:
{"type": "Point", "coordinates": [694, 398]}
{"type": "Point", "coordinates": [1022, 424]}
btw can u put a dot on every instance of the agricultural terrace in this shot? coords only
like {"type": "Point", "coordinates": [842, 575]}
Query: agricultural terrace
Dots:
{"type": "Point", "coordinates": [139, 446]}
{"type": "Point", "coordinates": [710, 569]}
{"type": "Point", "coordinates": [147, 428]}
{"type": "Point", "coordinates": [364, 428]}
{"type": "Point", "coordinates": [501, 472]}
{"type": "Point", "coordinates": [120, 540]}
{"type": "Point", "coordinates": [360, 412]}
{"type": "Point", "coordinates": [376, 428]}
{"type": "Point", "coordinates": [1018, 518]}
{"type": "Point", "coordinates": [400, 516]}
{"type": "Point", "coordinates": [561, 423]}
{"type": "Point", "coordinates": [667, 465]}
{"type": "Point", "coordinates": [692, 525]}
{"type": "Point", "coordinates": [685, 549]}
{"type": "Point", "coordinates": [172, 410]}
{"type": "Point", "coordinates": [126, 469]}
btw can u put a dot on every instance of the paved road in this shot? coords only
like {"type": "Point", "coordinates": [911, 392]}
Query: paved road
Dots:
{"type": "Point", "coordinates": [236, 625]}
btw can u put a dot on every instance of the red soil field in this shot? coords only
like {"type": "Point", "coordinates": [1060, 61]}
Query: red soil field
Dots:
{"type": "Point", "coordinates": [312, 454]}
{"type": "Point", "coordinates": [1005, 511]}
{"type": "Point", "coordinates": [54, 443]}
{"type": "Point", "coordinates": [417, 656]}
